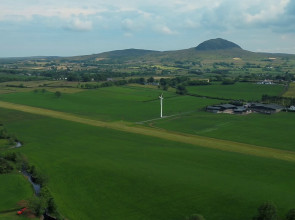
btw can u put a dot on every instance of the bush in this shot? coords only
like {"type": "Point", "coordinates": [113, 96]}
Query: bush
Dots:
{"type": "Point", "coordinates": [228, 82]}
{"type": "Point", "coordinates": [181, 90]}
{"type": "Point", "coordinates": [3, 133]}
{"type": "Point", "coordinates": [291, 215]}
{"type": "Point", "coordinates": [10, 156]}
{"type": "Point", "coordinates": [195, 217]}
{"type": "Point", "coordinates": [57, 94]}
{"type": "Point", "coordinates": [37, 206]}
{"type": "Point", "coordinates": [5, 167]}
{"type": "Point", "coordinates": [267, 211]}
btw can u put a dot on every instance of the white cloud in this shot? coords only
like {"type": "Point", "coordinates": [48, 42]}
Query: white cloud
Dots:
{"type": "Point", "coordinates": [129, 25]}
{"type": "Point", "coordinates": [268, 12]}
{"type": "Point", "coordinates": [152, 19]}
{"type": "Point", "coordinates": [164, 29]}
{"type": "Point", "coordinates": [79, 25]}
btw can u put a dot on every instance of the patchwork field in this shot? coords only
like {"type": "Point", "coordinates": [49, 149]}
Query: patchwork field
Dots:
{"type": "Point", "coordinates": [238, 91]}
{"type": "Point", "coordinates": [127, 176]}
{"type": "Point", "coordinates": [113, 103]}
{"type": "Point", "coordinates": [101, 165]}
{"type": "Point", "coordinates": [291, 91]}
{"type": "Point", "coordinates": [275, 131]}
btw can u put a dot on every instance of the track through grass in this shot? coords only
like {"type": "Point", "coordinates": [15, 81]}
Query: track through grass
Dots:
{"type": "Point", "coordinates": [213, 143]}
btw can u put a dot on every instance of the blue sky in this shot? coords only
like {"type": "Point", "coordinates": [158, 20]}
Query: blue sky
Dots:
{"type": "Point", "coordinates": [71, 27]}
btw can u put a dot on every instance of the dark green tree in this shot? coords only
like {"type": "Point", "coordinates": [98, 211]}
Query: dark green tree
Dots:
{"type": "Point", "coordinates": [291, 215]}
{"type": "Point", "coordinates": [150, 80]}
{"type": "Point", "coordinates": [141, 80]}
{"type": "Point", "coordinates": [37, 205]}
{"type": "Point", "coordinates": [181, 90]}
{"type": "Point", "coordinates": [5, 167]}
{"type": "Point", "coordinates": [57, 94]}
{"type": "Point", "coordinates": [267, 211]}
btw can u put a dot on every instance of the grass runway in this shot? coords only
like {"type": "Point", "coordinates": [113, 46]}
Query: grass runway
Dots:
{"type": "Point", "coordinates": [212, 143]}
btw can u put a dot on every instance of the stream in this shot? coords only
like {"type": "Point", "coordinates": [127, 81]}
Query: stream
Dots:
{"type": "Point", "coordinates": [36, 187]}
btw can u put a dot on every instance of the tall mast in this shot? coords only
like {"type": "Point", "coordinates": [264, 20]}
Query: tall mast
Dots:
{"type": "Point", "coordinates": [161, 102]}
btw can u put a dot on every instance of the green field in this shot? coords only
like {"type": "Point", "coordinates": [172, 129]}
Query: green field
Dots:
{"type": "Point", "coordinates": [13, 188]}
{"type": "Point", "coordinates": [291, 91]}
{"type": "Point", "coordinates": [113, 169]}
{"type": "Point", "coordinates": [113, 103]}
{"type": "Point", "coordinates": [97, 173]}
{"type": "Point", "coordinates": [238, 91]}
{"type": "Point", "coordinates": [14, 216]}
{"type": "Point", "coordinates": [275, 131]}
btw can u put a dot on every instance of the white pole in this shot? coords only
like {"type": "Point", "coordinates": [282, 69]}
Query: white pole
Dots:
{"type": "Point", "coordinates": [161, 101]}
{"type": "Point", "coordinates": [161, 106]}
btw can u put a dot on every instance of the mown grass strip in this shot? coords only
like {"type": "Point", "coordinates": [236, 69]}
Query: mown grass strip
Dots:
{"type": "Point", "coordinates": [291, 91]}
{"type": "Point", "coordinates": [213, 143]}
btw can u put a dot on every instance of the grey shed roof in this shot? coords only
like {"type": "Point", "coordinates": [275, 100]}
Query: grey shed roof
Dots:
{"type": "Point", "coordinates": [227, 106]}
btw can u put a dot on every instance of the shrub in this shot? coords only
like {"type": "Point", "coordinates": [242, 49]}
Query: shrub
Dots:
{"type": "Point", "coordinates": [291, 215]}
{"type": "Point", "coordinates": [267, 211]}
{"type": "Point", "coordinates": [5, 167]}
{"type": "Point", "coordinates": [195, 217]}
{"type": "Point", "coordinates": [37, 205]}
{"type": "Point", "coordinates": [57, 94]}
{"type": "Point", "coordinates": [10, 156]}
{"type": "Point", "coordinates": [181, 90]}
{"type": "Point", "coordinates": [228, 82]}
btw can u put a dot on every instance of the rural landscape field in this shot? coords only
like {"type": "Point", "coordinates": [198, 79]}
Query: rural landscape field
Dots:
{"type": "Point", "coordinates": [147, 110]}
{"type": "Point", "coordinates": [100, 150]}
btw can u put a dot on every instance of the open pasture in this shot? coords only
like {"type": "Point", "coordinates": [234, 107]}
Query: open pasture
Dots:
{"type": "Point", "coordinates": [237, 91]}
{"type": "Point", "coordinates": [275, 131]}
{"type": "Point", "coordinates": [127, 176]}
{"type": "Point", "coordinates": [112, 103]}
{"type": "Point", "coordinates": [13, 188]}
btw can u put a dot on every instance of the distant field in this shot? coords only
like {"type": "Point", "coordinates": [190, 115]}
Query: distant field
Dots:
{"type": "Point", "coordinates": [112, 103]}
{"type": "Point", "coordinates": [52, 86]}
{"type": "Point", "coordinates": [274, 131]}
{"type": "Point", "coordinates": [128, 176]}
{"type": "Point", "coordinates": [291, 91]}
{"type": "Point", "coordinates": [245, 91]}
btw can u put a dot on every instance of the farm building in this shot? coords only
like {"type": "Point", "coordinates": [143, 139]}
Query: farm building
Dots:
{"type": "Point", "coordinates": [246, 109]}
{"type": "Point", "coordinates": [241, 110]}
{"type": "Point", "coordinates": [265, 108]}
{"type": "Point", "coordinates": [224, 108]}
{"type": "Point", "coordinates": [266, 82]}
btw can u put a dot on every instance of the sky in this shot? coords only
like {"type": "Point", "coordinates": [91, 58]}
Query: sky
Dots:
{"type": "Point", "coordinates": [71, 27]}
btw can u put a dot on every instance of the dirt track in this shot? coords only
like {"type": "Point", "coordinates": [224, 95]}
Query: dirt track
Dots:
{"type": "Point", "coordinates": [201, 141]}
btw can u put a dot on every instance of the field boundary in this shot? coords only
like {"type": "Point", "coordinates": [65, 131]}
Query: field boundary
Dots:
{"type": "Point", "coordinates": [200, 141]}
{"type": "Point", "coordinates": [165, 116]}
{"type": "Point", "coordinates": [9, 211]}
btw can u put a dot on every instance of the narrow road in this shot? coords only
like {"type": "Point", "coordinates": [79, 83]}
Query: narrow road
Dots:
{"type": "Point", "coordinates": [199, 141]}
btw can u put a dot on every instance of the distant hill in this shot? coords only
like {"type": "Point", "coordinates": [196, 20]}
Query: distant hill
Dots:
{"type": "Point", "coordinates": [126, 53]}
{"type": "Point", "coordinates": [210, 51]}
{"type": "Point", "coordinates": [217, 44]}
